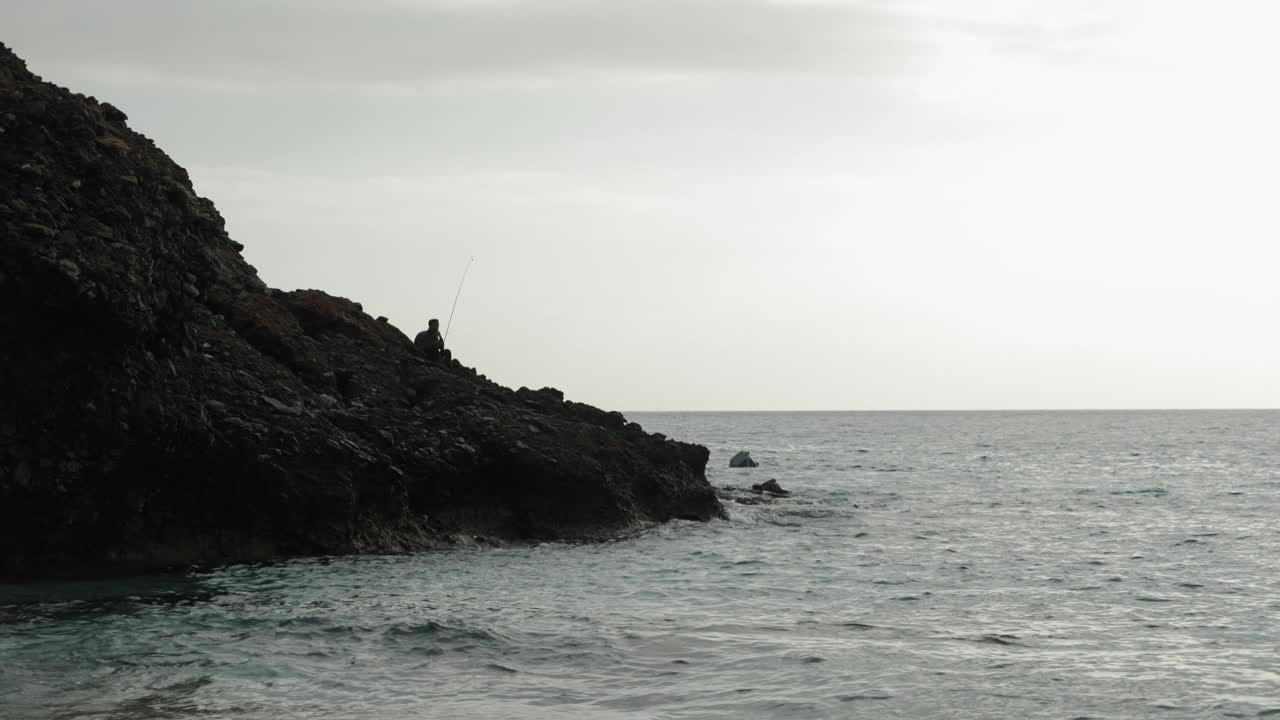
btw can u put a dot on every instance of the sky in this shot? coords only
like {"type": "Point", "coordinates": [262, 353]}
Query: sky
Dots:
{"type": "Point", "coordinates": [746, 205]}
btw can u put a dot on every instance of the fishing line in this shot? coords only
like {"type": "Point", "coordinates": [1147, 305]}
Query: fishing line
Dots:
{"type": "Point", "coordinates": [455, 298]}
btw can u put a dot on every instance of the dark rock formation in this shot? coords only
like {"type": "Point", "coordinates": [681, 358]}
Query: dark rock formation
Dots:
{"type": "Point", "coordinates": [742, 460]}
{"type": "Point", "coordinates": [770, 486]}
{"type": "Point", "coordinates": [162, 406]}
{"type": "Point", "coordinates": [732, 495]}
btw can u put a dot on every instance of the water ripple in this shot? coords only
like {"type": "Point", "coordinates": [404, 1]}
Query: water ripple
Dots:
{"type": "Point", "coordinates": [996, 565]}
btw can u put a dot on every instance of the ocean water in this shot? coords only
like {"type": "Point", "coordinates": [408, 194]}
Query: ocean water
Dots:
{"type": "Point", "coordinates": [928, 565]}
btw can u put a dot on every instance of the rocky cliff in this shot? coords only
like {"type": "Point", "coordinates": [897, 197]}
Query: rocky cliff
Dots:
{"type": "Point", "coordinates": [160, 405]}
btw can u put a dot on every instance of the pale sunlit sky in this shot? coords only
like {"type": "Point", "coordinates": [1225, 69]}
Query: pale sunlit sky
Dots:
{"type": "Point", "coordinates": [869, 204]}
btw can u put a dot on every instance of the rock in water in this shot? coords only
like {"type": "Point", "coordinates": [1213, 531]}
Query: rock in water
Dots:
{"type": "Point", "coordinates": [742, 460]}
{"type": "Point", "coordinates": [772, 487]}
{"type": "Point", "coordinates": [161, 406]}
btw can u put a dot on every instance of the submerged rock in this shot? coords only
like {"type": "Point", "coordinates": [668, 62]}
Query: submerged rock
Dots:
{"type": "Point", "coordinates": [162, 406]}
{"type": "Point", "coordinates": [742, 460]}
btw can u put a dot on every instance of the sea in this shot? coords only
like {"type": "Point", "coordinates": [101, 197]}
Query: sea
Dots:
{"type": "Point", "coordinates": [926, 565]}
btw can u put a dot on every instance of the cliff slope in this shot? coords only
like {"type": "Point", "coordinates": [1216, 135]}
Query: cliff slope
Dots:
{"type": "Point", "coordinates": [159, 405]}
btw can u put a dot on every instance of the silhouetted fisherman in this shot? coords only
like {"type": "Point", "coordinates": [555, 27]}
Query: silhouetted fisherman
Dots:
{"type": "Point", "coordinates": [430, 344]}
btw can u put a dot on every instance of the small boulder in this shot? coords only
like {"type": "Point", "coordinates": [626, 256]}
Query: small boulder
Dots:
{"type": "Point", "coordinates": [770, 486]}
{"type": "Point", "coordinates": [742, 460]}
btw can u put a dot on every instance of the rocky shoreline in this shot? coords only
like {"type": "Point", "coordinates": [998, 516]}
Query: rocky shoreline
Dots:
{"type": "Point", "coordinates": [163, 407]}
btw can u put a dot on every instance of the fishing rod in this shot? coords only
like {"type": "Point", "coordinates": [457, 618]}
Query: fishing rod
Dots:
{"type": "Point", "coordinates": [455, 298]}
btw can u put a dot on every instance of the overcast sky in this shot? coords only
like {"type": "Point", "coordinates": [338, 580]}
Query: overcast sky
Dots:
{"type": "Point", "coordinates": [747, 204]}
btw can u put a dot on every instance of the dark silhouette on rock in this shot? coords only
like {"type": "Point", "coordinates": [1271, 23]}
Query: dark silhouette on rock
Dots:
{"type": "Point", "coordinates": [162, 406]}
{"type": "Point", "coordinates": [742, 460]}
{"type": "Point", "coordinates": [430, 344]}
{"type": "Point", "coordinates": [772, 487]}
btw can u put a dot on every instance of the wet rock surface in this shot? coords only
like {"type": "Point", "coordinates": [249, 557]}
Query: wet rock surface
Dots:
{"type": "Point", "coordinates": [742, 459]}
{"type": "Point", "coordinates": [763, 493]}
{"type": "Point", "coordinates": [771, 487]}
{"type": "Point", "coordinates": [162, 406]}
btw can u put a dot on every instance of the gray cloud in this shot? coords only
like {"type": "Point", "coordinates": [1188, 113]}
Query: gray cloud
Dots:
{"type": "Point", "coordinates": [255, 42]}
{"type": "Point", "coordinates": [245, 44]}
{"type": "Point", "coordinates": [585, 86]}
